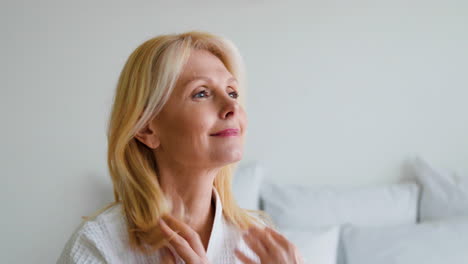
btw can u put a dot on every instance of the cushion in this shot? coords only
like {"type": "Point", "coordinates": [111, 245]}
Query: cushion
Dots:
{"type": "Point", "coordinates": [303, 207]}
{"type": "Point", "coordinates": [246, 184]}
{"type": "Point", "coordinates": [317, 245]}
{"type": "Point", "coordinates": [444, 192]}
{"type": "Point", "coordinates": [429, 243]}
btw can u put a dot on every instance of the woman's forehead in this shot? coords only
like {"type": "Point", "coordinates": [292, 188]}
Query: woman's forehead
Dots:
{"type": "Point", "coordinates": [204, 66]}
{"type": "Point", "coordinates": [202, 62]}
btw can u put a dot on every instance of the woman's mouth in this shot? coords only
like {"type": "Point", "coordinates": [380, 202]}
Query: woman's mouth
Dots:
{"type": "Point", "coordinates": [226, 133]}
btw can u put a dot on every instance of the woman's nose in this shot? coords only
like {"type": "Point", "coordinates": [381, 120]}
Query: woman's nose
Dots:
{"type": "Point", "coordinates": [229, 108]}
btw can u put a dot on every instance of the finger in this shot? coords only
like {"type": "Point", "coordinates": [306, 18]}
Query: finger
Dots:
{"type": "Point", "coordinates": [167, 256]}
{"type": "Point", "coordinates": [272, 248]}
{"type": "Point", "coordinates": [261, 235]}
{"type": "Point", "coordinates": [242, 257]}
{"type": "Point", "coordinates": [282, 240]}
{"type": "Point", "coordinates": [256, 245]}
{"type": "Point", "coordinates": [275, 250]}
{"type": "Point", "coordinates": [187, 233]}
{"type": "Point", "coordinates": [179, 243]}
{"type": "Point", "coordinates": [286, 248]}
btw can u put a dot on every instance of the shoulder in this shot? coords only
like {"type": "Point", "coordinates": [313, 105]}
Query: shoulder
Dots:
{"type": "Point", "coordinates": [94, 240]}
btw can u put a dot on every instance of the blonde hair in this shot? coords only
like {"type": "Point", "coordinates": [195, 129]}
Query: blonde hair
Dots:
{"type": "Point", "coordinates": [144, 86]}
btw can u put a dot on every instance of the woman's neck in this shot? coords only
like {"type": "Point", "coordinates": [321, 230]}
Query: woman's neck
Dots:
{"type": "Point", "coordinates": [193, 190]}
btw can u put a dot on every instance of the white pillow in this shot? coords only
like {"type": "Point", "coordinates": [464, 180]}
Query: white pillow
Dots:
{"type": "Point", "coordinates": [294, 206]}
{"type": "Point", "coordinates": [443, 242]}
{"type": "Point", "coordinates": [246, 185]}
{"type": "Point", "coordinates": [316, 245]}
{"type": "Point", "coordinates": [444, 193]}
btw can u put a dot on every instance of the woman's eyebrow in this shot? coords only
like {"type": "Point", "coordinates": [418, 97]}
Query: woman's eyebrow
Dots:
{"type": "Point", "coordinates": [195, 78]}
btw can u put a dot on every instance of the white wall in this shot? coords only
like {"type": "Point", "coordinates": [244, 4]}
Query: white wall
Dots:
{"type": "Point", "coordinates": [341, 92]}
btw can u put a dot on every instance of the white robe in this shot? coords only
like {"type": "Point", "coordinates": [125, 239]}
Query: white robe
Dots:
{"type": "Point", "coordinates": [105, 240]}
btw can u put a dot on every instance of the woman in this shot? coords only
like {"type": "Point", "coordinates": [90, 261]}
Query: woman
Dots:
{"type": "Point", "coordinates": [176, 131]}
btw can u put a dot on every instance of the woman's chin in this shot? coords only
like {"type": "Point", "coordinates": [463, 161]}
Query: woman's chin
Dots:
{"type": "Point", "coordinates": [229, 157]}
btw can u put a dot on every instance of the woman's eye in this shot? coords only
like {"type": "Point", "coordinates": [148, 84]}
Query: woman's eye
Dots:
{"type": "Point", "coordinates": [201, 94]}
{"type": "Point", "coordinates": [234, 94]}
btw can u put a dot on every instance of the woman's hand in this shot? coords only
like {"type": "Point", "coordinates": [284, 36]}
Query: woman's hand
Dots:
{"type": "Point", "coordinates": [186, 242]}
{"type": "Point", "coordinates": [270, 246]}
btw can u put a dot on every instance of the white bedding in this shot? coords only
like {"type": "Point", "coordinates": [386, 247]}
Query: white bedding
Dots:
{"type": "Point", "coordinates": [441, 242]}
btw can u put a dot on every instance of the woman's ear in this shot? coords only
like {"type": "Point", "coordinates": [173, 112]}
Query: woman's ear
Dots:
{"type": "Point", "coordinates": [148, 136]}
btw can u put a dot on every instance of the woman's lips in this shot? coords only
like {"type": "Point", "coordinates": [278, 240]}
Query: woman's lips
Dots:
{"type": "Point", "coordinates": [227, 133]}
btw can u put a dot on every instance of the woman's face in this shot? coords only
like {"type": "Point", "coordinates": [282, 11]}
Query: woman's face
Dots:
{"type": "Point", "coordinates": [203, 103]}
